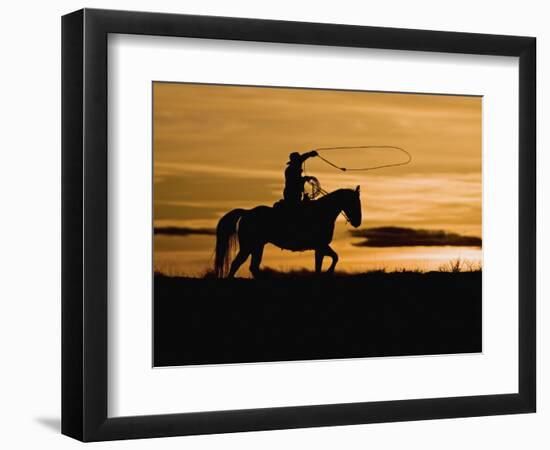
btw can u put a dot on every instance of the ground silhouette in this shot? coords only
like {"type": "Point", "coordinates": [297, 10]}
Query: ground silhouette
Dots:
{"type": "Point", "coordinates": [300, 316]}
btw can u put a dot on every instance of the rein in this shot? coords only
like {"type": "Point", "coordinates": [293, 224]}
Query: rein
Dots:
{"type": "Point", "coordinates": [325, 193]}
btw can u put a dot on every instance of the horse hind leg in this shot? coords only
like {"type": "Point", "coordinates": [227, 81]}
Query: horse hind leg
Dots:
{"type": "Point", "coordinates": [319, 255]}
{"type": "Point", "coordinates": [332, 254]}
{"type": "Point", "coordinates": [255, 261]}
{"type": "Point", "coordinates": [239, 260]}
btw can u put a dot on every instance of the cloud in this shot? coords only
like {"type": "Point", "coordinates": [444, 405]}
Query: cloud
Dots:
{"type": "Point", "coordinates": [410, 237]}
{"type": "Point", "coordinates": [184, 231]}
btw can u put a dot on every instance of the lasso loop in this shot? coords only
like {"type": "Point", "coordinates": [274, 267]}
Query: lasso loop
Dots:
{"type": "Point", "coordinates": [356, 169]}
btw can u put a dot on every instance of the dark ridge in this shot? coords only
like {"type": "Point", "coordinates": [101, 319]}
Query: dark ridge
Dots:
{"type": "Point", "coordinates": [213, 321]}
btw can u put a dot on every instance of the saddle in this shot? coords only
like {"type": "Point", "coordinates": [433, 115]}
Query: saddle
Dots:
{"type": "Point", "coordinates": [294, 223]}
{"type": "Point", "coordinates": [299, 210]}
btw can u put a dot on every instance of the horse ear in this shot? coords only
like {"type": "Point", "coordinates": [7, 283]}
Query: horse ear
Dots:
{"type": "Point", "coordinates": [358, 189]}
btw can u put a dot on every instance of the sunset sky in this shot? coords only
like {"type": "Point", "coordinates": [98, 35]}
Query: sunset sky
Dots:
{"type": "Point", "coordinates": [218, 147]}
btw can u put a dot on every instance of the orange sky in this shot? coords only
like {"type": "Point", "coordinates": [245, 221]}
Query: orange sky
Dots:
{"type": "Point", "coordinates": [221, 147]}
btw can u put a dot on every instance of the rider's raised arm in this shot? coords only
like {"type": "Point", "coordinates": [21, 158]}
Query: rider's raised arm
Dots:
{"type": "Point", "coordinates": [307, 155]}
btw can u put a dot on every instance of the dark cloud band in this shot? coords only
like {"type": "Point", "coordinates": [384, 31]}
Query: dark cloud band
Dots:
{"type": "Point", "coordinates": [184, 231]}
{"type": "Point", "coordinates": [410, 237]}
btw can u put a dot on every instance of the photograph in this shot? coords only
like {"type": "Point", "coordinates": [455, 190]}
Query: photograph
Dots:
{"type": "Point", "coordinates": [294, 223]}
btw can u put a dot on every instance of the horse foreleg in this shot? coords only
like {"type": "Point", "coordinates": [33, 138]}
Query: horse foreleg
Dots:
{"type": "Point", "coordinates": [319, 255]}
{"type": "Point", "coordinates": [256, 260]}
{"type": "Point", "coordinates": [239, 260]}
{"type": "Point", "coordinates": [330, 252]}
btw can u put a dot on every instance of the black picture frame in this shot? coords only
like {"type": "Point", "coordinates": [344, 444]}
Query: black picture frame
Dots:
{"type": "Point", "coordinates": [84, 224]}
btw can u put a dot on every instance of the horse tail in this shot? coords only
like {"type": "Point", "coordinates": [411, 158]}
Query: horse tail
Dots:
{"type": "Point", "coordinates": [226, 241]}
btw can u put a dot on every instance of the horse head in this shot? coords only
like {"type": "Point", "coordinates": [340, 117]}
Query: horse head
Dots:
{"type": "Point", "coordinates": [352, 208]}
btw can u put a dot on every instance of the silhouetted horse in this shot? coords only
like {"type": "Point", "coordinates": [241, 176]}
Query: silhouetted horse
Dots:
{"type": "Point", "coordinates": [307, 227]}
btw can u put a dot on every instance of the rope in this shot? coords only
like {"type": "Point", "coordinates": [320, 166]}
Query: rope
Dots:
{"type": "Point", "coordinates": [363, 169]}
{"type": "Point", "coordinates": [316, 186]}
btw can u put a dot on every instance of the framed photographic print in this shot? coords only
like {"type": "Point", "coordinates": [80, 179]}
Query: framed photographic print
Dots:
{"type": "Point", "coordinates": [273, 224]}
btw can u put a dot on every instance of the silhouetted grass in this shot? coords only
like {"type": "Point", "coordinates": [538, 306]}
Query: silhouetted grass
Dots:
{"type": "Point", "coordinates": [460, 265]}
{"type": "Point", "coordinates": [453, 266]}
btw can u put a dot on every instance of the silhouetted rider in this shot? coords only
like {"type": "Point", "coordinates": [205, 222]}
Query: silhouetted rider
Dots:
{"type": "Point", "coordinates": [294, 181]}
